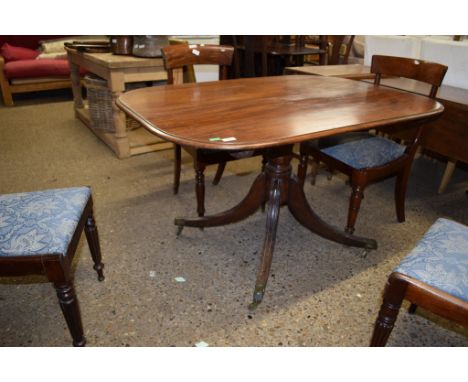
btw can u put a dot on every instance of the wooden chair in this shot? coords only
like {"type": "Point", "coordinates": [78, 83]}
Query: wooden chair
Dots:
{"type": "Point", "coordinates": [339, 48]}
{"type": "Point", "coordinates": [177, 57]}
{"type": "Point", "coordinates": [433, 276]}
{"type": "Point", "coordinates": [39, 233]}
{"type": "Point", "coordinates": [367, 158]}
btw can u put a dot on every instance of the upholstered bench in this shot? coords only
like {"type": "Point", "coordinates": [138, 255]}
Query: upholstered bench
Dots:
{"type": "Point", "coordinates": [434, 276]}
{"type": "Point", "coordinates": [39, 233]}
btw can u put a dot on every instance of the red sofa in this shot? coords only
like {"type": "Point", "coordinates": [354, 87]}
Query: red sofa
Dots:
{"type": "Point", "coordinates": [21, 71]}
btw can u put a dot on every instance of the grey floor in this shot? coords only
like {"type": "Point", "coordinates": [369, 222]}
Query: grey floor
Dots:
{"type": "Point", "coordinates": [319, 293]}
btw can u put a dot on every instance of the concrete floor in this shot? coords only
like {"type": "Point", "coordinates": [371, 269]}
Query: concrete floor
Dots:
{"type": "Point", "coordinates": [319, 293]}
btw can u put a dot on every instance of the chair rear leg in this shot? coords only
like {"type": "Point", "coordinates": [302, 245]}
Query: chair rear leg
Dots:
{"type": "Point", "coordinates": [177, 166]}
{"type": "Point", "coordinates": [200, 187]}
{"type": "Point", "coordinates": [71, 311]}
{"type": "Point", "coordinates": [219, 173]}
{"type": "Point", "coordinates": [302, 167]}
{"type": "Point", "coordinates": [412, 309]}
{"type": "Point", "coordinates": [400, 192]}
{"type": "Point", "coordinates": [354, 204]}
{"type": "Point", "coordinates": [92, 237]}
{"type": "Point", "coordinates": [314, 171]}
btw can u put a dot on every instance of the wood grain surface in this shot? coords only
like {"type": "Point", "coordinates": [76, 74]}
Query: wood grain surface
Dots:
{"type": "Point", "coordinates": [269, 111]}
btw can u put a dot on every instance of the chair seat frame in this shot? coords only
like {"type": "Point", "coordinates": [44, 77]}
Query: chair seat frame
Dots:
{"type": "Point", "coordinates": [57, 268]}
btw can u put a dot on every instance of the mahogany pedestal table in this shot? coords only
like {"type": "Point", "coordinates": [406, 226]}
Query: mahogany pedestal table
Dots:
{"type": "Point", "coordinates": [271, 113]}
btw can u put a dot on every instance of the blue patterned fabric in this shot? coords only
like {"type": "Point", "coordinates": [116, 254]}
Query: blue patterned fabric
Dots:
{"type": "Point", "coordinates": [363, 153]}
{"type": "Point", "coordinates": [42, 222]}
{"type": "Point", "coordinates": [441, 258]}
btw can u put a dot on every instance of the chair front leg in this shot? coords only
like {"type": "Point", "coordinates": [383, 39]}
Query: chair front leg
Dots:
{"type": "Point", "coordinates": [71, 311]}
{"type": "Point", "coordinates": [92, 237]}
{"type": "Point", "coordinates": [393, 297]}
{"type": "Point", "coordinates": [354, 205]}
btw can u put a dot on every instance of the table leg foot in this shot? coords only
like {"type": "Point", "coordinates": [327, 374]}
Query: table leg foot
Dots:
{"type": "Point", "coordinates": [259, 292]}
{"type": "Point", "coordinates": [254, 198]}
{"type": "Point", "coordinates": [179, 230]}
{"type": "Point", "coordinates": [301, 210]}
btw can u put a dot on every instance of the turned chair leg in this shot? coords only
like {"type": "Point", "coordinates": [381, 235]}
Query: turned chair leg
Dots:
{"type": "Point", "coordinates": [177, 166]}
{"type": "Point", "coordinates": [393, 297]}
{"type": "Point", "coordinates": [219, 173]}
{"type": "Point", "coordinates": [71, 311]}
{"type": "Point", "coordinates": [92, 237]}
{"type": "Point", "coordinates": [200, 187]}
{"type": "Point", "coordinates": [354, 204]}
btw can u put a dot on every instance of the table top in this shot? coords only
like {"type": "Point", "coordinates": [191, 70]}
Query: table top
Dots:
{"type": "Point", "coordinates": [114, 61]}
{"type": "Point", "coordinates": [262, 112]}
{"type": "Point", "coordinates": [352, 71]}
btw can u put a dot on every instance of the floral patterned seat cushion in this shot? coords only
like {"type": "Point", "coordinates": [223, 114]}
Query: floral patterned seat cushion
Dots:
{"type": "Point", "coordinates": [364, 153]}
{"type": "Point", "coordinates": [441, 259]}
{"type": "Point", "coordinates": [42, 222]}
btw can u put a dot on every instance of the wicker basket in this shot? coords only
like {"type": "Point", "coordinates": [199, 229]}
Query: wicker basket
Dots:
{"type": "Point", "coordinates": [100, 105]}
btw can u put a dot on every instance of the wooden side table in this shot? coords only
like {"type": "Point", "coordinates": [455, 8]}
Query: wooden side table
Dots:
{"type": "Point", "coordinates": [117, 70]}
{"type": "Point", "coordinates": [350, 71]}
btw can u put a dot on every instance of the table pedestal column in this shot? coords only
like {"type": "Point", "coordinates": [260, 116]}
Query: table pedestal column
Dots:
{"type": "Point", "coordinates": [276, 186]}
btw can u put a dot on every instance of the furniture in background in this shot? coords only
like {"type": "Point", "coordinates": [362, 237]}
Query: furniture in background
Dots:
{"type": "Point", "coordinates": [271, 113]}
{"type": "Point", "coordinates": [178, 58]}
{"type": "Point", "coordinates": [433, 276]}
{"type": "Point", "coordinates": [367, 158]}
{"type": "Point", "coordinates": [118, 71]}
{"type": "Point", "coordinates": [447, 136]}
{"type": "Point", "coordinates": [350, 71]}
{"type": "Point", "coordinates": [39, 235]}
{"type": "Point", "coordinates": [23, 68]}
{"type": "Point", "coordinates": [339, 49]}
{"type": "Point", "coordinates": [267, 55]}
{"type": "Point", "coordinates": [442, 49]}
{"type": "Point", "coordinates": [448, 50]}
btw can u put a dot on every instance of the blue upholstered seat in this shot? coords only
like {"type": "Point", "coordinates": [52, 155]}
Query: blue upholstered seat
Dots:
{"type": "Point", "coordinates": [441, 259]}
{"type": "Point", "coordinates": [363, 153]}
{"type": "Point", "coordinates": [42, 222]}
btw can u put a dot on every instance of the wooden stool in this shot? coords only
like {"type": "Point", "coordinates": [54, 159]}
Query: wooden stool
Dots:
{"type": "Point", "coordinates": [434, 276]}
{"type": "Point", "coordinates": [39, 233]}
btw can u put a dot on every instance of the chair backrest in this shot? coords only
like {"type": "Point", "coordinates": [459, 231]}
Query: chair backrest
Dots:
{"type": "Point", "coordinates": [176, 57]}
{"type": "Point", "coordinates": [429, 72]}
{"type": "Point", "coordinates": [337, 55]}
{"type": "Point", "coordinates": [189, 72]}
